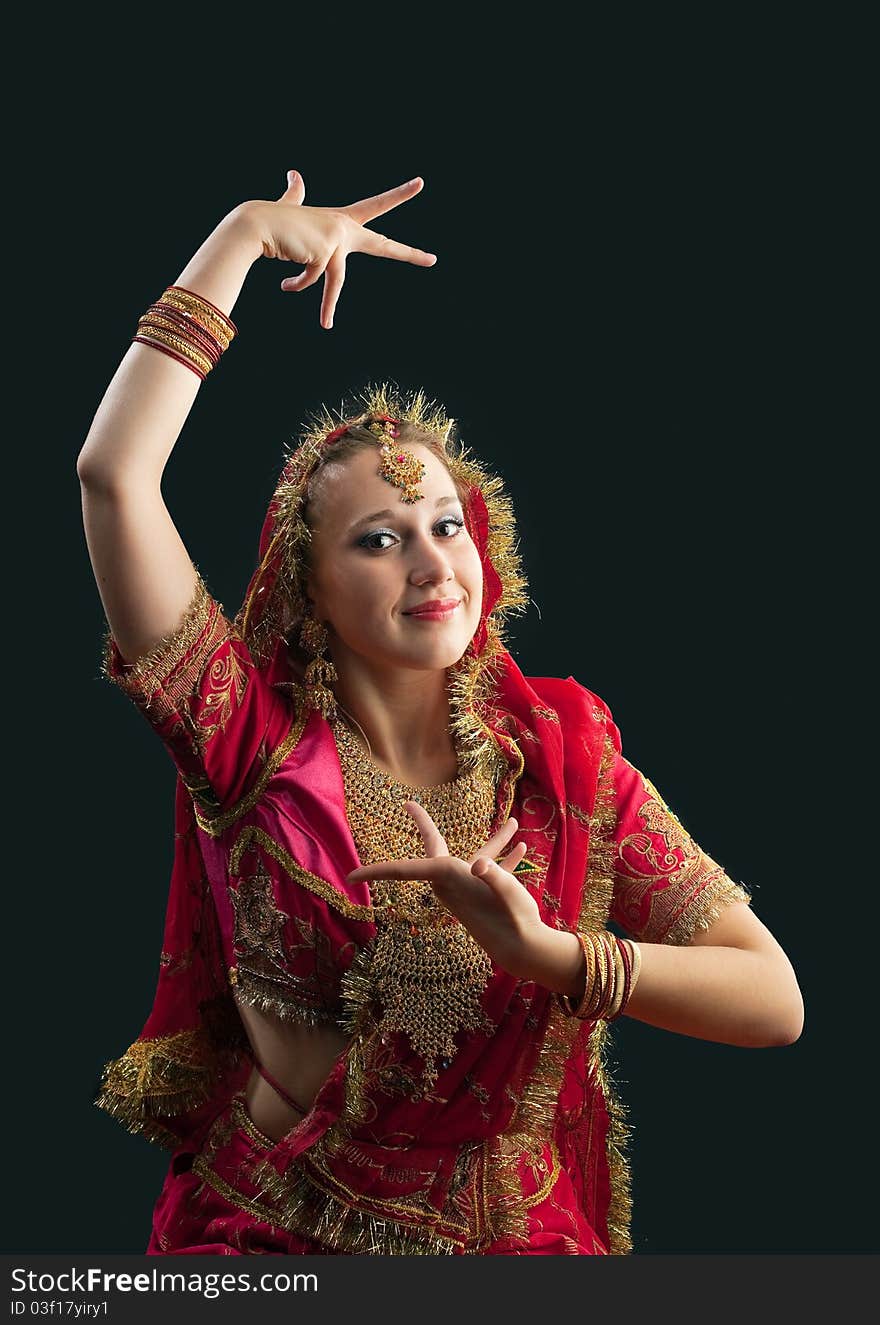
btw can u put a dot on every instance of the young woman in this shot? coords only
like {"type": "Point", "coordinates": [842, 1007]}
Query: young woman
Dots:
{"type": "Point", "coordinates": [387, 978]}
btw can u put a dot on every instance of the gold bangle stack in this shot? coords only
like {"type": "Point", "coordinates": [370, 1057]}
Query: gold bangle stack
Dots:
{"type": "Point", "coordinates": [187, 327]}
{"type": "Point", "coordinates": [613, 966]}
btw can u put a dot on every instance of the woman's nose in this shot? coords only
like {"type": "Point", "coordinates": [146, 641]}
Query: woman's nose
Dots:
{"type": "Point", "coordinates": [431, 561]}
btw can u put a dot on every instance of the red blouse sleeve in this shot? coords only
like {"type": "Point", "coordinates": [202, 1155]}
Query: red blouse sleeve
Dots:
{"type": "Point", "coordinates": [219, 718]}
{"type": "Point", "coordinates": [665, 886]}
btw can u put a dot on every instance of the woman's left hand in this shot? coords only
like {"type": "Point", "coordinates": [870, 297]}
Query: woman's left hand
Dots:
{"type": "Point", "coordinates": [488, 899]}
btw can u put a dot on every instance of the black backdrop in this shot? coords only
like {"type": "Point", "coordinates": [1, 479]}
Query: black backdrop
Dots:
{"type": "Point", "coordinates": [639, 315]}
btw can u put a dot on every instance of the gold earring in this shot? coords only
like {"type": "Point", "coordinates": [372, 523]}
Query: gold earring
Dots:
{"type": "Point", "coordinates": [320, 674]}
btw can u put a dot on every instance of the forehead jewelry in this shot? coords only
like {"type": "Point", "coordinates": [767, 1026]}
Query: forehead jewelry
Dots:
{"type": "Point", "coordinates": [398, 467]}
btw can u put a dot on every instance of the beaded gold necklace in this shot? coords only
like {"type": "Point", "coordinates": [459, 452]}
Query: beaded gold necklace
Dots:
{"type": "Point", "coordinates": [427, 973]}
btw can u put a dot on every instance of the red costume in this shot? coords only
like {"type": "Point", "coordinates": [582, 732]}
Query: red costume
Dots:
{"type": "Point", "coordinates": [509, 1142]}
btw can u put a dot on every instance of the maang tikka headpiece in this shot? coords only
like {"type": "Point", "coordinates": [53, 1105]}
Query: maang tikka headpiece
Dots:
{"type": "Point", "coordinates": [401, 468]}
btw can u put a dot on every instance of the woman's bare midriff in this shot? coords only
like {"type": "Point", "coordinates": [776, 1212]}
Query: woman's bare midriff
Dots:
{"type": "Point", "coordinates": [300, 1058]}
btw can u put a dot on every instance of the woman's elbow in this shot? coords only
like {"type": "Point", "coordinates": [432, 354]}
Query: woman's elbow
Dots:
{"type": "Point", "coordinates": [790, 1026]}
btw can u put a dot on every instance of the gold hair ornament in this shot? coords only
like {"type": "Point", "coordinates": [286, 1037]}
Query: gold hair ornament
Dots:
{"type": "Point", "coordinates": [401, 468]}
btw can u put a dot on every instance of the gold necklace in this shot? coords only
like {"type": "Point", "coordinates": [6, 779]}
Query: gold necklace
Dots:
{"type": "Point", "coordinates": [427, 973]}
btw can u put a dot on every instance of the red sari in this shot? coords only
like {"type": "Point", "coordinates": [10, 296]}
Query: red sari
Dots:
{"type": "Point", "coordinates": [518, 1146]}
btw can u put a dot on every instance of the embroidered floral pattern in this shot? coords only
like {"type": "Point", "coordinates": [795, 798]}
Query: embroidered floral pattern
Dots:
{"type": "Point", "coordinates": [666, 886]}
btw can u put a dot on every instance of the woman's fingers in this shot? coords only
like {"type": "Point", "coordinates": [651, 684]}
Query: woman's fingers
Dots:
{"type": "Point", "coordinates": [487, 869]}
{"type": "Point", "coordinates": [380, 203]}
{"type": "Point", "coordinates": [380, 246]}
{"type": "Point", "coordinates": [306, 278]}
{"type": "Point", "coordinates": [333, 281]}
{"type": "Point", "coordinates": [397, 869]}
{"type": "Point", "coordinates": [496, 841]}
{"type": "Point", "coordinates": [296, 189]}
{"type": "Point", "coordinates": [512, 859]}
{"type": "Point", "coordinates": [435, 842]}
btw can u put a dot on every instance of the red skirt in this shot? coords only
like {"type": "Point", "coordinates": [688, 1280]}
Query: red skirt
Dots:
{"type": "Point", "coordinates": [209, 1206]}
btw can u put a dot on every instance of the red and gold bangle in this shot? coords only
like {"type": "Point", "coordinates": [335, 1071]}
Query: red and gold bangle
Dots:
{"type": "Point", "coordinates": [166, 349]}
{"type": "Point", "coordinates": [180, 292]}
{"type": "Point", "coordinates": [161, 338]}
{"type": "Point", "coordinates": [188, 326]}
{"type": "Point", "coordinates": [633, 959]}
{"type": "Point", "coordinates": [201, 311]}
{"type": "Point", "coordinates": [156, 316]}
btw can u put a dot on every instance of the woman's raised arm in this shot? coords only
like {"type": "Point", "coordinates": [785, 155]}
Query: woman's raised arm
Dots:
{"type": "Point", "coordinates": [145, 576]}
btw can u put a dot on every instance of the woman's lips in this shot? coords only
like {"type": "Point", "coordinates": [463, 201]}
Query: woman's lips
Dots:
{"type": "Point", "coordinates": [439, 611]}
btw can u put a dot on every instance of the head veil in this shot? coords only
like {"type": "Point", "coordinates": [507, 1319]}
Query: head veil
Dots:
{"type": "Point", "coordinates": [274, 597]}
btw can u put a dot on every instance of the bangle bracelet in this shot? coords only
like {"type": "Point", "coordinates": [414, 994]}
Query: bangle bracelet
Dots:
{"type": "Point", "coordinates": [188, 328]}
{"type": "Point", "coordinates": [612, 967]}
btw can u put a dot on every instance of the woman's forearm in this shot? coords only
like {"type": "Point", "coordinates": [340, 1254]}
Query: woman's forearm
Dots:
{"type": "Point", "coordinates": [731, 995]}
{"type": "Point", "coordinates": [151, 394]}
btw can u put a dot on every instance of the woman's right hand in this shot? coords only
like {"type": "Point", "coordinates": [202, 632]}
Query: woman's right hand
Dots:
{"type": "Point", "coordinates": [321, 238]}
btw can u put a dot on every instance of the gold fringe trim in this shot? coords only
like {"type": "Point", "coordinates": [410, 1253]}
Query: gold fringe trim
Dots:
{"type": "Point", "coordinates": [149, 670]}
{"type": "Point", "coordinates": [597, 898]}
{"type": "Point", "coordinates": [257, 991]}
{"type": "Point", "coordinates": [358, 1020]}
{"type": "Point", "coordinates": [319, 886]}
{"type": "Point", "coordinates": [160, 1078]}
{"type": "Point", "coordinates": [536, 1114]}
{"type": "Point", "coordinates": [307, 1207]}
{"type": "Point", "coordinates": [598, 891]}
{"type": "Point", "coordinates": [706, 908]}
{"type": "Point", "coordinates": [619, 1218]}
{"type": "Point", "coordinates": [251, 1207]}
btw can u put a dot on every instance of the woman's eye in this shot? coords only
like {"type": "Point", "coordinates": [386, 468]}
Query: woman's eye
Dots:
{"type": "Point", "coordinates": [367, 542]}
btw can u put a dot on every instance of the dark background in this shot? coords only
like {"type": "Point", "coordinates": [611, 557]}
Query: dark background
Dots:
{"type": "Point", "coordinates": [645, 316]}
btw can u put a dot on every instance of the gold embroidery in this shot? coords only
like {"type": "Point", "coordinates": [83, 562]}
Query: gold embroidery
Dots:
{"type": "Point", "coordinates": [577, 814]}
{"type": "Point", "coordinates": [226, 683]}
{"type": "Point", "coordinates": [243, 1120]}
{"type": "Point", "coordinates": [253, 833]}
{"type": "Point", "coordinates": [706, 907]}
{"type": "Point", "coordinates": [252, 1207]}
{"type": "Point", "coordinates": [216, 824]}
{"type": "Point", "coordinates": [166, 681]}
{"type": "Point", "coordinates": [181, 652]}
{"type": "Point", "coordinates": [220, 1132]}
{"type": "Point", "coordinates": [267, 961]}
{"type": "Point", "coordinates": [258, 921]}
{"type": "Point", "coordinates": [695, 889]}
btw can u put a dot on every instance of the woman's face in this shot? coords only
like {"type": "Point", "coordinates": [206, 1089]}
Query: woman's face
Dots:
{"type": "Point", "coordinates": [375, 557]}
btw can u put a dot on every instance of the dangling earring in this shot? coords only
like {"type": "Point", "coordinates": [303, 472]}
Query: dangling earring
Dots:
{"type": "Point", "coordinates": [320, 673]}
